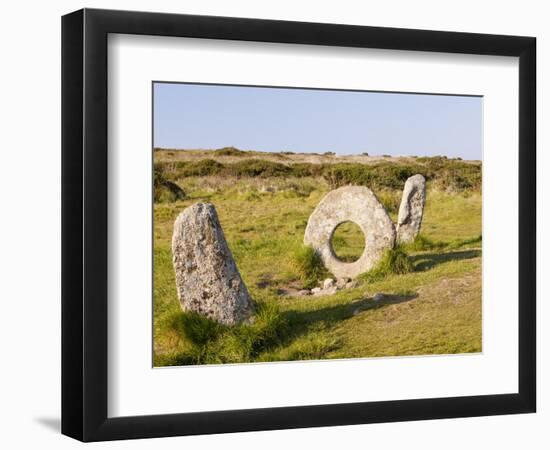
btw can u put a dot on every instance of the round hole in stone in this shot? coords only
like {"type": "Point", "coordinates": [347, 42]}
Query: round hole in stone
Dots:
{"type": "Point", "coordinates": [348, 242]}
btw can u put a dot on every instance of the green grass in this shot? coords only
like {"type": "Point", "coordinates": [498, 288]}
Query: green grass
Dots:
{"type": "Point", "coordinates": [432, 288]}
{"type": "Point", "coordinates": [212, 343]}
{"type": "Point", "coordinates": [348, 242]}
{"type": "Point", "coordinates": [306, 264]}
{"type": "Point", "coordinates": [395, 261]}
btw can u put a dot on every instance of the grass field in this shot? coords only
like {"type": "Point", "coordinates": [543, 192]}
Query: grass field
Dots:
{"type": "Point", "coordinates": [433, 309]}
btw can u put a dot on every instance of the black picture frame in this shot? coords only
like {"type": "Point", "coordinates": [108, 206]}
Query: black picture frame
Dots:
{"type": "Point", "coordinates": [84, 224]}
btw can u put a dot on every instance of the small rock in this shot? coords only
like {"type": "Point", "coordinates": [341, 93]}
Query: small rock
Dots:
{"type": "Point", "coordinates": [330, 290]}
{"type": "Point", "coordinates": [341, 282]}
{"type": "Point", "coordinates": [316, 290]}
{"type": "Point", "coordinates": [304, 292]}
{"type": "Point", "coordinates": [351, 284]}
{"type": "Point", "coordinates": [378, 297]}
{"type": "Point", "coordinates": [328, 283]}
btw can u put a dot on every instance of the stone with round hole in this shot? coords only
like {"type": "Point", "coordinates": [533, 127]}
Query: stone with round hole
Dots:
{"type": "Point", "coordinates": [350, 204]}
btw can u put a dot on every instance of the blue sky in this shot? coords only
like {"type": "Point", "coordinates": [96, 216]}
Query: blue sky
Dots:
{"type": "Point", "coordinates": [305, 120]}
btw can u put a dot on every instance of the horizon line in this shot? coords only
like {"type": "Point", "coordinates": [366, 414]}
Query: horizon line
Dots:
{"type": "Point", "coordinates": [319, 153]}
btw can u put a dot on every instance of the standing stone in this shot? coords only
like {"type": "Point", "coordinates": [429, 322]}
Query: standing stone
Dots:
{"type": "Point", "coordinates": [207, 279]}
{"type": "Point", "coordinates": [356, 204]}
{"type": "Point", "coordinates": [411, 209]}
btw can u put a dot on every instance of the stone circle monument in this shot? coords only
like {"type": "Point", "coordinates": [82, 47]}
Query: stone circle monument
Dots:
{"type": "Point", "coordinates": [411, 209]}
{"type": "Point", "coordinates": [356, 204]}
{"type": "Point", "coordinates": [207, 279]}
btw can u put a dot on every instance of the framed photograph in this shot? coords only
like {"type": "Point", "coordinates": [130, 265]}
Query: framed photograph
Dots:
{"type": "Point", "coordinates": [272, 224]}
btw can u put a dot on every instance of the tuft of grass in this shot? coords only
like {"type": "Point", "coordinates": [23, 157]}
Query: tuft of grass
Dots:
{"type": "Point", "coordinates": [197, 328]}
{"type": "Point", "coordinates": [395, 261]}
{"type": "Point", "coordinates": [307, 265]}
{"type": "Point", "coordinates": [213, 343]}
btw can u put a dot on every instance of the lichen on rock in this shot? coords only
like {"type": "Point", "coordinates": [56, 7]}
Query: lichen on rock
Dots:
{"type": "Point", "coordinates": [207, 279]}
{"type": "Point", "coordinates": [411, 209]}
{"type": "Point", "coordinates": [356, 204]}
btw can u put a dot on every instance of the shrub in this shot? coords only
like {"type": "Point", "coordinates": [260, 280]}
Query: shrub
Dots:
{"type": "Point", "coordinates": [230, 151]}
{"type": "Point", "coordinates": [257, 168]}
{"type": "Point", "coordinates": [200, 168]}
{"type": "Point", "coordinates": [307, 169]}
{"type": "Point", "coordinates": [343, 174]}
{"type": "Point", "coordinates": [158, 174]}
{"type": "Point", "coordinates": [168, 192]}
{"type": "Point", "coordinates": [452, 175]}
{"type": "Point", "coordinates": [165, 190]}
{"type": "Point", "coordinates": [449, 175]}
{"type": "Point", "coordinates": [385, 175]}
{"type": "Point", "coordinates": [433, 162]}
{"type": "Point", "coordinates": [459, 177]}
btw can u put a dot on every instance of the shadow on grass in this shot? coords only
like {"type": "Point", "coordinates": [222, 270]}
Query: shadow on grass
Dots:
{"type": "Point", "coordinates": [429, 261]}
{"type": "Point", "coordinates": [272, 331]}
{"type": "Point", "coordinates": [333, 314]}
